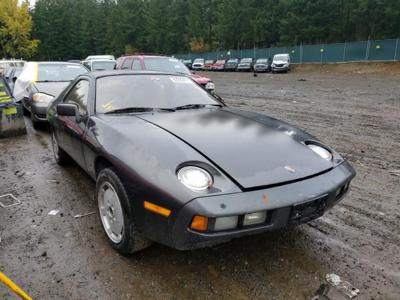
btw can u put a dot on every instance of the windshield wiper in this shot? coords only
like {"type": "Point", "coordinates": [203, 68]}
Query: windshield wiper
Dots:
{"type": "Point", "coordinates": [195, 106]}
{"type": "Point", "coordinates": [53, 81]}
{"type": "Point", "coordinates": [136, 109]}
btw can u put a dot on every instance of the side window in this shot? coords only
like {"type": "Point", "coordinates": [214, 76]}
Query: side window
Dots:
{"type": "Point", "coordinates": [126, 65]}
{"type": "Point", "coordinates": [79, 95]}
{"type": "Point", "coordinates": [87, 65]}
{"type": "Point", "coordinates": [136, 65]}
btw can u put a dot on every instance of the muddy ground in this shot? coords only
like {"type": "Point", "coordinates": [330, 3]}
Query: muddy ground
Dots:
{"type": "Point", "coordinates": [62, 257]}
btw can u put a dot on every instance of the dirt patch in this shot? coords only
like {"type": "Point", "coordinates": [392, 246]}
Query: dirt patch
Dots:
{"type": "Point", "coordinates": [361, 68]}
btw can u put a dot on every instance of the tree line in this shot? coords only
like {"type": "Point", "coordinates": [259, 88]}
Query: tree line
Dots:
{"type": "Point", "coordinates": [73, 29]}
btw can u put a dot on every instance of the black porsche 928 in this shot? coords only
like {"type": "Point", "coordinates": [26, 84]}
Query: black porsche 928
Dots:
{"type": "Point", "coordinates": [174, 165]}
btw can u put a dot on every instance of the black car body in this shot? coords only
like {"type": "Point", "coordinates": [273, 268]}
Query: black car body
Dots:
{"type": "Point", "coordinates": [245, 64]}
{"type": "Point", "coordinates": [231, 64]}
{"type": "Point", "coordinates": [40, 82]}
{"type": "Point", "coordinates": [262, 173]}
{"type": "Point", "coordinates": [262, 65]}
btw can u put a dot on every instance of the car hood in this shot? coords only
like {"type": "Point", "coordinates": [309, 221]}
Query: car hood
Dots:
{"type": "Point", "coordinates": [279, 62]}
{"type": "Point", "coordinates": [200, 79]}
{"type": "Point", "coordinates": [51, 88]}
{"type": "Point", "coordinates": [251, 152]}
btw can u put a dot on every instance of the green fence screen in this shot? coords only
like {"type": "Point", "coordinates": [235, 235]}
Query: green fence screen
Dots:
{"type": "Point", "coordinates": [372, 50]}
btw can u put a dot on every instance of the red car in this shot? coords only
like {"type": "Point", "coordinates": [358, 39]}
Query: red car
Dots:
{"type": "Point", "coordinates": [162, 64]}
{"type": "Point", "coordinates": [208, 65]}
{"type": "Point", "coordinates": [219, 65]}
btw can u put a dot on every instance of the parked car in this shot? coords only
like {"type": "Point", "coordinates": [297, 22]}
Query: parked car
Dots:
{"type": "Point", "coordinates": [198, 64]}
{"type": "Point", "coordinates": [175, 165]}
{"type": "Point", "coordinates": [40, 82]}
{"type": "Point", "coordinates": [262, 65]}
{"type": "Point", "coordinates": [231, 64]}
{"type": "Point", "coordinates": [280, 63]}
{"type": "Point", "coordinates": [245, 64]}
{"type": "Point", "coordinates": [187, 63]}
{"type": "Point", "coordinates": [99, 65]}
{"type": "Point", "coordinates": [219, 65]}
{"type": "Point", "coordinates": [11, 75]}
{"type": "Point", "coordinates": [208, 64]}
{"type": "Point", "coordinates": [162, 64]}
{"type": "Point", "coordinates": [101, 57]}
{"type": "Point", "coordinates": [5, 64]}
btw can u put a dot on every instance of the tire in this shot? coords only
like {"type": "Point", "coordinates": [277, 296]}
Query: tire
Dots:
{"type": "Point", "coordinates": [35, 124]}
{"type": "Point", "coordinates": [125, 240]}
{"type": "Point", "coordinates": [61, 157]}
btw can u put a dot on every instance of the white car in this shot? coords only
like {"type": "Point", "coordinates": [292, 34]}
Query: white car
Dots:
{"type": "Point", "coordinates": [280, 63]}
{"type": "Point", "coordinates": [100, 57]}
{"type": "Point", "coordinates": [198, 64]}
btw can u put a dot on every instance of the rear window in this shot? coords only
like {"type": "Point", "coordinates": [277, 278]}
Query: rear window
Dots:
{"type": "Point", "coordinates": [59, 72]}
{"type": "Point", "coordinates": [154, 91]}
{"type": "Point", "coordinates": [103, 65]}
{"type": "Point", "coordinates": [165, 64]}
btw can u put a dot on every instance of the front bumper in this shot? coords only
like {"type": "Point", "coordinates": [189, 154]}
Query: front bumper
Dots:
{"type": "Point", "coordinates": [261, 68]}
{"type": "Point", "coordinates": [282, 204]}
{"type": "Point", "coordinates": [284, 68]}
{"type": "Point", "coordinates": [39, 111]}
{"type": "Point", "coordinates": [244, 68]}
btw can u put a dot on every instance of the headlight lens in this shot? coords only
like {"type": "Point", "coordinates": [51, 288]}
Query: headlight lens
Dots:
{"type": "Point", "coordinates": [40, 97]}
{"type": "Point", "coordinates": [225, 223]}
{"type": "Point", "coordinates": [254, 218]}
{"type": "Point", "coordinates": [195, 178]}
{"type": "Point", "coordinates": [324, 153]}
{"type": "Point", "coordinates": [210, 85]}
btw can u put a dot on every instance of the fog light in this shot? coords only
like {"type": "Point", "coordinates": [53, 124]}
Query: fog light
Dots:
{"type": "Point", "coordinates": [255, 218]}
{"type": "Point", "coordinates": [225, 223]}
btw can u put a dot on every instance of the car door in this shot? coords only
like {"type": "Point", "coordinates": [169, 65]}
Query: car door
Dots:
{"type": "Point", "coordinates": [72, 129]}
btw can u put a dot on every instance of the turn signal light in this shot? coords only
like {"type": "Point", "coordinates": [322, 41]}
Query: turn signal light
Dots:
{"type": "Point", "coordinates": [199, 223]}
{"type": "Point", "coordinates": [157, 209]}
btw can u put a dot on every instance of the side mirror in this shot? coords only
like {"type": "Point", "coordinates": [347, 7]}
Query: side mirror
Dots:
{"type": "Point", "coordinates": [15, 79]}
{"type": "Point", "coordinates": [66, 109]}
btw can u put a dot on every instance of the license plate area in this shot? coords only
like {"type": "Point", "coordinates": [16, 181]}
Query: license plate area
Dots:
{"type": "Point", "coordinates": [304, 212]}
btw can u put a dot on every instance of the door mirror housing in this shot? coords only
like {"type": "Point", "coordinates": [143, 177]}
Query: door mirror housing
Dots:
{"type": "Point", "coordinates": [67, 109]}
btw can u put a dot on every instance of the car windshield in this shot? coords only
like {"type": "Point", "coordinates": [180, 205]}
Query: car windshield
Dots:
{"type": "Point", "coordinates": [280, 57]}
{"type": "Point", "coordinates": [246, 60]}
{"type": "Point", "coordinates": [234, 60]}
{"type": "Point", "coordinates": [150, 91]}
{"type": "Point", "coordinates": [199, 60]}
{"type": "Point", "coordinates": [103, 65]}
{"type": "Point", "coordinates": [59, 72]}
{"type": "Point", "coordinates": [165, 64]}
{"type": "Point", "coordinates": [220, 61]}
{"type": "Point", "coordinates": [209, 61]}
{"type": "Point", "coordinates": [262, 60]}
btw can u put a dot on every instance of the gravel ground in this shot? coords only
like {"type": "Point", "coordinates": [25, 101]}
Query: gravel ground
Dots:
{"type": "Point", "coordinates": [62, 257]}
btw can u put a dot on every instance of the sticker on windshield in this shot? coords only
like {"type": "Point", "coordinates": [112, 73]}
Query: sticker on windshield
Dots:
{"type": "Point", "coordinates": [108, 106]}
{"type": "Point", "coordinates": [180, 79]}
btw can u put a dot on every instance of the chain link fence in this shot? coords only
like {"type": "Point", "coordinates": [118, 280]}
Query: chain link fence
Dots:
{"type": "Point", "coordinates": [372, 50]}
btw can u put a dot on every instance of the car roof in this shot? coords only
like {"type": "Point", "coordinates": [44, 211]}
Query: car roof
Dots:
{"type": "Point", "coordinates": [147, 55]}
{"type": "Point", "coordinates": [99, 74]}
